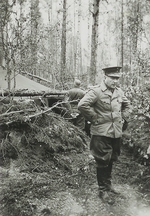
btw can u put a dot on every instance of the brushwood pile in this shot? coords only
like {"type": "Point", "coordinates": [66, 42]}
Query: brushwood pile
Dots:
{"type": "Point", "coordinates": [35, 140]}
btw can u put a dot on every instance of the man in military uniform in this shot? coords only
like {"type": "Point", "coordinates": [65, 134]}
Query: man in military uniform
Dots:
{"type": "Point", "coordinates": [72, 98]}
{"type": "Point", "coordinates": [105, 106]}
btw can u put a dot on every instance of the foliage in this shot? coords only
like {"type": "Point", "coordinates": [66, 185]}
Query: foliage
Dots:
{"type": "Point", "coordinates": [33, 44]}
{"type": "Point", "coordinates": [139, 126]}
{"type": "Point", "coordinates": [46, 147]}
{"type": "Point", "coordinates": [38, 137]}
{"type": "Point", "coordinates": [137, 135]}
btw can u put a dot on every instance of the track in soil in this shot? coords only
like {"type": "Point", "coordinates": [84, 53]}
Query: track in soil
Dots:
{"type": "Point", "coordinates": [84, 200]}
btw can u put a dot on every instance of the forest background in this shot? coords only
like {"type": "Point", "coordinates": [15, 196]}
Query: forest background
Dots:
{"type": "Point", "coordinates": [59, 40]}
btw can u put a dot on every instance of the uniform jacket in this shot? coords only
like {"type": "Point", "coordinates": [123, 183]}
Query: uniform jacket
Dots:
{"type": "Point", "coordinates": [73, 96]}
{"type": "Point", "coordinates": [105, 110]}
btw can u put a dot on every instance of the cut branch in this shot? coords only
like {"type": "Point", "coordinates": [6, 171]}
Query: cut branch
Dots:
{"type": "Point", "coordinates": [30, 117]}
{"type": "Point", "coordinates": [18, 111]}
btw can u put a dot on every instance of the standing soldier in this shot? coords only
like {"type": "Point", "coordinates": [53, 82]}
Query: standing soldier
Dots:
{"type": "Point", "coordinates": [73, 97]}
{"type": "Point", "coordinates": [105, 106]}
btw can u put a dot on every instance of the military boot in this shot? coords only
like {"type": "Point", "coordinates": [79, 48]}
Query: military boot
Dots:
{"type": "Point", "coordinates": [100, 179]}
{"type": "Point", "coordinates": [103, 190]}
{"type": "Point", "coordinates": [108, 177]}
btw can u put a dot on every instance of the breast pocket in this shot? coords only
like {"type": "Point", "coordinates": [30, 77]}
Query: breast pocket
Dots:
{"type": "Point", "coordinates": [105, 100]}
{"type": "Point", "coordinates": [105, 104]}
{"type": "Point", "coordinates": [119, 103]}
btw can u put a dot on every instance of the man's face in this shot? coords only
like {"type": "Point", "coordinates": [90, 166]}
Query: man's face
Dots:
{"type": "Point", "coordinates": [111, 81]}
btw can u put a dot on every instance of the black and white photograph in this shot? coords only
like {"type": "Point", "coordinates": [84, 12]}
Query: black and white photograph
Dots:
{"type": "Point", "coordinates": [74, 107]}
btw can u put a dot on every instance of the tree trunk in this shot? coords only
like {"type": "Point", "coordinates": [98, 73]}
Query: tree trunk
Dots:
{"type": "Point", "coordinates": [74, 42]}
{"type": "Point", "coordinates": [79, 56]}
{"type": "Point", "coordinates": [8, 59]}
{"type": "Point", "coordinates": [94, 41]}
{"type": "Point", "coordinates": [63, 45]}
{"type": "Point", "coordinates": [89, 42]}
{"type": "Point", "coordinates": [34, 31]}
{"type": "Point", "coordinates": [1, 48]}
{"type": "Point", "coordinates": [21, 42]}
{"type": "Point", "coordinates": [51, 45]}
{"type": "Point", "coordinates": [20, 93]}
{"type": "Point", "coordinates": [122, 39]}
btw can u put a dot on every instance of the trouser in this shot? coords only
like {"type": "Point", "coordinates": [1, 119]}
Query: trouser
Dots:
{"type": "Point", "coordinates": [105, 151]}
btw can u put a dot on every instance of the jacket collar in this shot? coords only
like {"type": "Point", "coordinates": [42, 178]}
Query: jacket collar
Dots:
{"type": "Point", "coordinates": [108, 92]}
{"type": "Point", "coordinates": [103, 86]}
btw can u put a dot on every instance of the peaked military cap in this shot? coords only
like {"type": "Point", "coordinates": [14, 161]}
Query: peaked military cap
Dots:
{"type": "Point", "coordinates": [112, 71]}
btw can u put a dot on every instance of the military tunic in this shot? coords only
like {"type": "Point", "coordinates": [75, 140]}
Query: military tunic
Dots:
{"type": "Point", "coordinates": [105, 110]}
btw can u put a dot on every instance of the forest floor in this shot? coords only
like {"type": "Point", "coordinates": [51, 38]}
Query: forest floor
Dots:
{"type": "Point", "coordinates": [58, 193]}
{"type": "Point", "coordinates": [48, 171]}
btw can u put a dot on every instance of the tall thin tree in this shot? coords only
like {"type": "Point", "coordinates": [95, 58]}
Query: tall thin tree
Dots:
{"type": "Point", "coordinates": [34, 30]}
{"type": "Point", "coordinates": [94, 41]}
{"type": "Point", "coordinates": [79, 56]}
{"type": "Point", "coordinates": [63, 45]}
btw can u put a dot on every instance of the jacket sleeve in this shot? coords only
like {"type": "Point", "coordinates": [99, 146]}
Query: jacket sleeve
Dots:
{"type": "Point", "coordinates": [86, 107]}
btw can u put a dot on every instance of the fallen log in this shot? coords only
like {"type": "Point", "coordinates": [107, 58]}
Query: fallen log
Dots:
{"type": "Point", "coordinates": [31, 94]}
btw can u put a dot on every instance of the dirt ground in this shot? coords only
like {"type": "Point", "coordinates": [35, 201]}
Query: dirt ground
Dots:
{"type": "Point", "coordinates": [48, 170]}
{"type": "Point", "coordinates": [59, 193]}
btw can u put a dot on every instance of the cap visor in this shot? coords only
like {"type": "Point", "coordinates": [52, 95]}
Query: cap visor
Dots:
{"type": "Point", "coordinates": [113, 75]}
